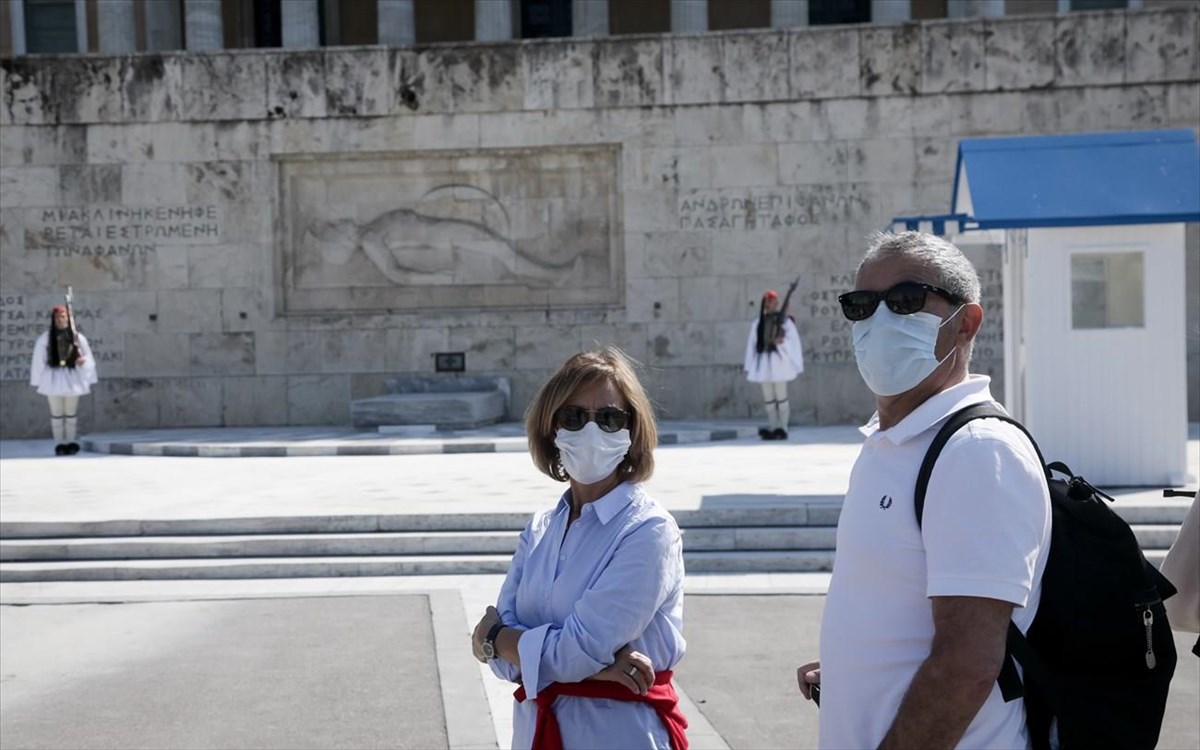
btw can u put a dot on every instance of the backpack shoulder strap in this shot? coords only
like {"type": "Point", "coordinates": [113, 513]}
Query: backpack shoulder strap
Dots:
{"type": "Point", "coordinates": [957, 420]}
{"type": "Point", "coordinates": [1016, 645]}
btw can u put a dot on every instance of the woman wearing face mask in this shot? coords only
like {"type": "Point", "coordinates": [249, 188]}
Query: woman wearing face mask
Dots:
{"type": "Point", "coordinates": [589, 621]}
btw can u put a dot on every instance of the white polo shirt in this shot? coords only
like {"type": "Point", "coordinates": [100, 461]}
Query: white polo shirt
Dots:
{"type": "Point", "coordinates": [986, 533]}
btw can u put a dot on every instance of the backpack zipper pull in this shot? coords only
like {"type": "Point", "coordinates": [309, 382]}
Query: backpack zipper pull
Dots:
{"type": "Point", "coordinates": [1148, 621]}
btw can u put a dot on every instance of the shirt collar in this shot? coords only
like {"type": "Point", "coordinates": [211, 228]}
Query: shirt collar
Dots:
{"type": "Point", "coordinates": [609, 506]}
{"type": "Point", "coordinates": [973, 390]}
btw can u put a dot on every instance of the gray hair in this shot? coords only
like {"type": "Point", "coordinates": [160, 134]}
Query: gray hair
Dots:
{"type": "Point", "coordinates": [951, 269]}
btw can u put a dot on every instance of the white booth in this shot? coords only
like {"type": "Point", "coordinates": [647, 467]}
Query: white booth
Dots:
{"type": "Point", "coordinates": [1092, 230]}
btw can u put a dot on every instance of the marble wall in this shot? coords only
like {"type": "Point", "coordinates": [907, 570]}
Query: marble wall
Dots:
{"type": "Point", "coordinates": [259, 237]}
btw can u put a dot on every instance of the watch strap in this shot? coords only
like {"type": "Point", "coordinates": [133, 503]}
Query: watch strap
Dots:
{"type": "Point", "coordinates": [491, 636]}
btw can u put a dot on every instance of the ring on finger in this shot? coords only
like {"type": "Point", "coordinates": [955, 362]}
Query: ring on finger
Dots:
{"type": "Point", "coordinates": [632, 671]}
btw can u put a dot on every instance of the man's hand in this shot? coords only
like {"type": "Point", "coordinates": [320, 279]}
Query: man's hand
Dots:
{"type": "Point", "coordinates": [807, 676]}
{"type": "Point", "coordinates": [631, 669]}
{"type": "Point", "coordinates": [490, 617]}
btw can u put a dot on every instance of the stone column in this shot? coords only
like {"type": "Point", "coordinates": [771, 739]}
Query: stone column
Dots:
{"type": "Point", "coordinates": [163, 31]}
{"type": "Point", "coordinates": [785, 13]}
{"type": "Point", "coordinates": [16, 22]}
{"type": "Point", "coordinates": [589, 18]}
{"type": "Point", "coordinates": [890, 11]}
{"type": "Point", "coordinates": [116, 32]}
{"type": "Point", "coordinates": [974, 8]}
{"type": "Point", "coordinates": [300, 20]}
{"type": "Point", "coordinates": [397, 26]}
{"type": "Point", "coordinates": [203, 21]}
{"type": "Point", "coordinates": [689, 15]}
{"type": "Point", "coordinates": [493, 20]}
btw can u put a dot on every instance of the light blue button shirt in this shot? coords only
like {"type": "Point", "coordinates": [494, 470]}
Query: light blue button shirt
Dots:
{"type": "Point", "coordinates": [615, 577]}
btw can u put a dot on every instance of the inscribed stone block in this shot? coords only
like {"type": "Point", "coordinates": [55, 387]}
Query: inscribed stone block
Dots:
{"type": "Point", "coordinates": [890, 59]}
{"type": "Point", "coordinates": [825, 63]}
{"type": "Point", "coordinates": [1089, 49]}
{"type": "Point", "coordinates": [318, 399]}
{"type": "Point", "coordinates": [629, 73]}
{"type": "Point", "coordinates": [221, 353]}
{"type": "Point", "coordinates": [755, 66]}
{"type": "Point", "coordinates": [952, 57]}
{"type": "Point", "coordinates": [1162, 46]}
{"type": "Point", "coordinates": [559, 75]}
{"type": "Point", "coordinates": [1018, 54]}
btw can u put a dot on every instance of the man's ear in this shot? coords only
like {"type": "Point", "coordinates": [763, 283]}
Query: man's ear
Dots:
{"type": "Point", "coordinates": [971, 321]}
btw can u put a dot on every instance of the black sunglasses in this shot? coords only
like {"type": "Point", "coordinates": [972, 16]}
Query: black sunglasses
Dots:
{"type": "Point", "coordinates": [905, 298]}
{"type": "Point", "coordinates": [608, 418]}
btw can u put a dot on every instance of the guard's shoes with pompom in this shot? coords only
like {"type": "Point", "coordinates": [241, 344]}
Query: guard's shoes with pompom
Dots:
{"type": "Point", "coordinates": [779, 434]}
{"type": "Point", "coordinates": [72, 448]}
{"type": "Point", "coordinates": [60, 450]}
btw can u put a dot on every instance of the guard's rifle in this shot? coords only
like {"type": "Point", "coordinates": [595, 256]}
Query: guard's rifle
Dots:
{"type": "Point", "coordinates": [72, 355]}
{"type": "Point", "coordinates": [776, 319]}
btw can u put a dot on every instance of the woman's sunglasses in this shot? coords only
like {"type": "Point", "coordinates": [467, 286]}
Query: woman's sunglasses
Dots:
{"type": "Point", "coordinates": [905, 298]}
{"type": "Point", "coordinates": [608, 418]}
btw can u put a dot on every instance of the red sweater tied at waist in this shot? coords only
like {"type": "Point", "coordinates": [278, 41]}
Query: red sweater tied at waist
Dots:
{"type": "Point", "coordinates": [661, 697]}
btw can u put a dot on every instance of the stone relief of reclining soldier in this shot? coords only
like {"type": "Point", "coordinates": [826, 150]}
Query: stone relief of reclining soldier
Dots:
{"type": "Point", "coordinates": [412, 247]}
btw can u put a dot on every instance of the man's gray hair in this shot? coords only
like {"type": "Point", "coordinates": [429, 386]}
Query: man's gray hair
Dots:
{"type": "Point", "coordinates": [947, 265]}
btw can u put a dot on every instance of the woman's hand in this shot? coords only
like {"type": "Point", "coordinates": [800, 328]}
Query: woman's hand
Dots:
{"type": "Point", "coordinates": [807, 676]}
{"type": "Point", "coordinates": [631, 669]}
{"type": "Point", "coordinates": [490, 617]}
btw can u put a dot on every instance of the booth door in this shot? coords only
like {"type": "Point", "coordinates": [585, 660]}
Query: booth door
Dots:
{"type": "Point", "coordinates": [1104, 361]}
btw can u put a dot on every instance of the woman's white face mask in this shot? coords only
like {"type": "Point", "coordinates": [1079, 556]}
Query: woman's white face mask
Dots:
{"type": "Point", "coordinates": [591, 454]}
{"type": "Point", "coordinates": [896, 352]}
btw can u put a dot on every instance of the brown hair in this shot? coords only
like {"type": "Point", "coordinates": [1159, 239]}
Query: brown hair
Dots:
{"type": "Point", "coordinates": [583, 369]}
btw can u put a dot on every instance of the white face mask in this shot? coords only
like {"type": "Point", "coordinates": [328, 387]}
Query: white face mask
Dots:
{"type": "Point", "coordinates": [591, 454]}
{"type": "Point", "coordinates": [896, 352]}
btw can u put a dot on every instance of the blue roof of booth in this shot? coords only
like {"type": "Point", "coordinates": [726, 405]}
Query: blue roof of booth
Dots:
{"type": "Point", "coordinates": [1145, 177]}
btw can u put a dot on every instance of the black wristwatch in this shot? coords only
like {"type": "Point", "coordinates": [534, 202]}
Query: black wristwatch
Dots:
{"type": "Point", "coordinates": [489, 644]}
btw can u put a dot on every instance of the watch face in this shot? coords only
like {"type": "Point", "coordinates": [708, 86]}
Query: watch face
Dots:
{"type": "Point", "coordinates": [489, 651]}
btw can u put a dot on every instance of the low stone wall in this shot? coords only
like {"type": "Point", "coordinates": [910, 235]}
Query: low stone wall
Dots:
{"type": "Point", "coordinates": [261, 237]}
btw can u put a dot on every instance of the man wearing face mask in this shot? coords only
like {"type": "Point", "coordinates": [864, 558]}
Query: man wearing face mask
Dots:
{"type": "Point", "coordinates": [913, 635]}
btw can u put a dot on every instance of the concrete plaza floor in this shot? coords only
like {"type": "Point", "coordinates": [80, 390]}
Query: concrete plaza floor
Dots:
{"type": "Point", "coordinates": [386, 662]}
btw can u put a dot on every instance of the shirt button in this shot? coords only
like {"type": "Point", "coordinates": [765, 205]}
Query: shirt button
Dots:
{"type": "Point", "coordinates": [562, 558]}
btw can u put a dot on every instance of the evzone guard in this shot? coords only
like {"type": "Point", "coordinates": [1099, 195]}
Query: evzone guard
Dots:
{"type": "Point", "coordinates": [773, 359]}
{"type": "Point", "coordinates": [62, 370]}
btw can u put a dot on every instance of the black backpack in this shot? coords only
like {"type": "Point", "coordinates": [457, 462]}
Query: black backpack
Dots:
{"type": "Point", "coordinates": [1099, 654]}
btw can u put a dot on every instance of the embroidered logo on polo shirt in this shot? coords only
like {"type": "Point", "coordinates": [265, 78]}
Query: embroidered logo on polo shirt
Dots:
{"type": "Point", "coordinates": [885, 502]}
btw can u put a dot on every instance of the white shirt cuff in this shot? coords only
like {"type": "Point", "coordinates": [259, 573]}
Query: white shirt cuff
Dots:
{"type": "Point", "coordinates": [1005, 591]}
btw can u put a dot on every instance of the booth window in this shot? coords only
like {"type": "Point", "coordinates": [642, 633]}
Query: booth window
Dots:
{"type": "Point", "coordinates": [1107, 290]}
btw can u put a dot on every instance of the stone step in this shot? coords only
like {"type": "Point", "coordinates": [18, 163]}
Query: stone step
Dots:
{"type": "Point", "coordinates": [369, 544]}
{"type": "Point", "coordinates": [823, 512]}
{"type": "Point", "coordinates": [392, 565]}
{"type": "Point", "coordinates": [762, 561]}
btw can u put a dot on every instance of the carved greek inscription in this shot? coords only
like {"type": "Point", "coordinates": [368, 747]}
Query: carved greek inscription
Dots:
{"type": "Point", "coordinates": [774, 210]}
{"type": "Point", "coordinates": [120, 231]}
